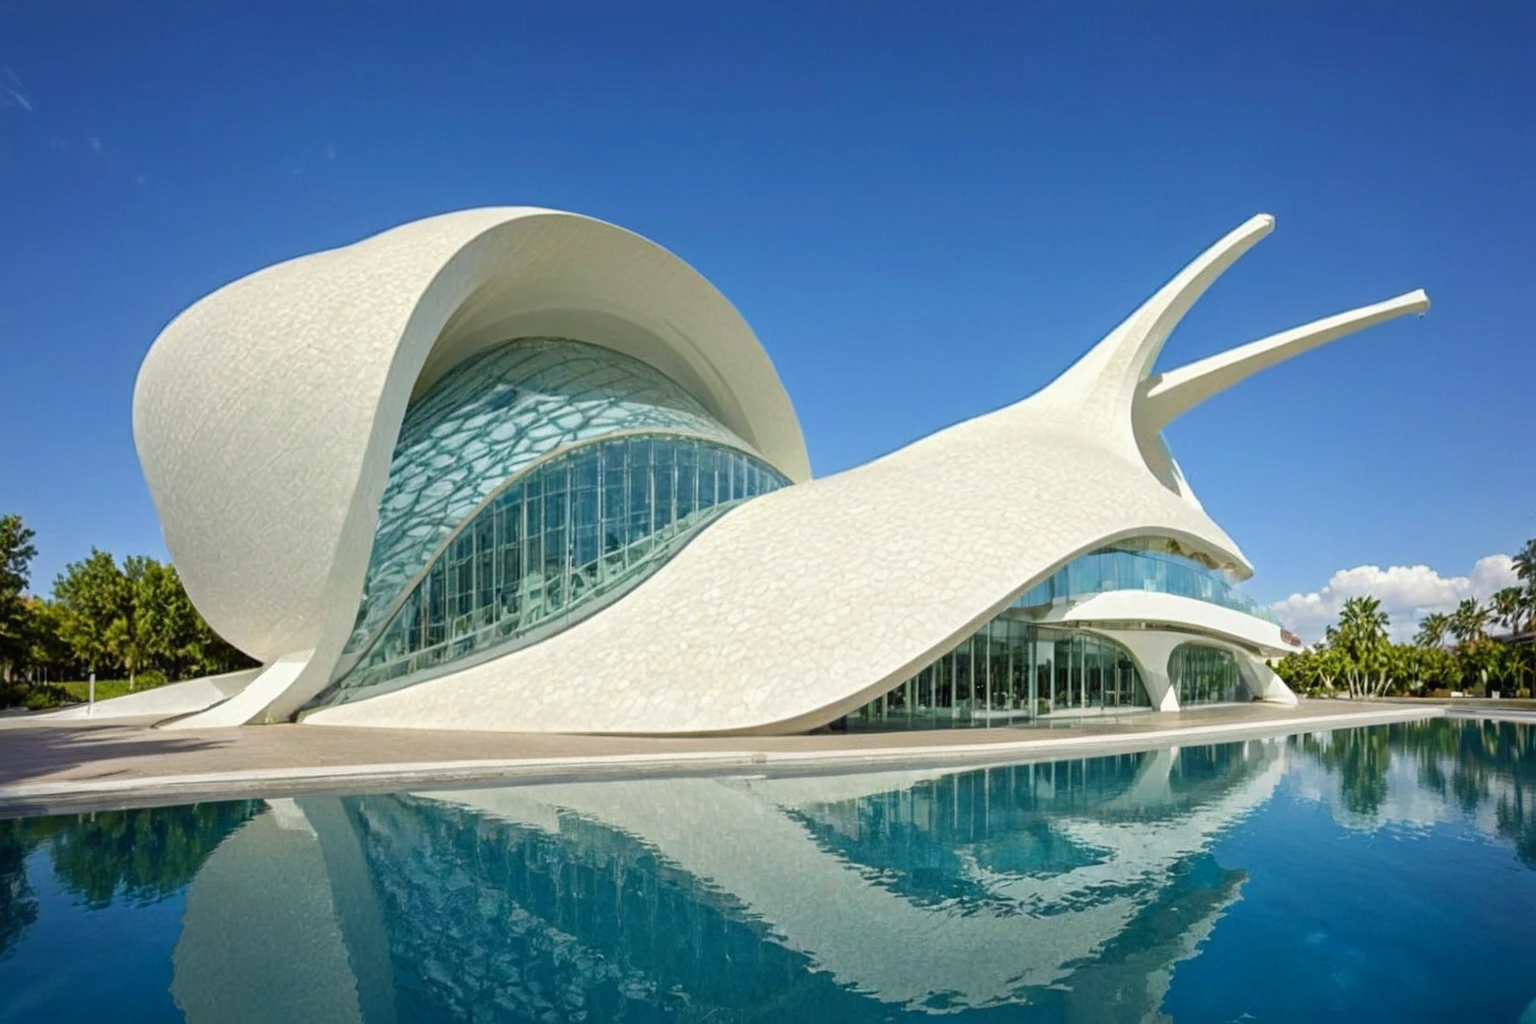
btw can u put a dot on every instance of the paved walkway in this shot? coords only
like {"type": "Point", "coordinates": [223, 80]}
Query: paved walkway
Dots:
{"type": "Point", "coordinates": [55, 767]}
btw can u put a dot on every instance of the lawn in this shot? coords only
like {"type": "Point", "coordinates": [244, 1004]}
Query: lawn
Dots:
{"type": "Point", "coordinates": [105, 689]}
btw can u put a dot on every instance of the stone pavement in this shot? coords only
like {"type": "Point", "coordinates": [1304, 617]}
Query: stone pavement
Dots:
{"type": "Point", "coordinates": [47, 767]}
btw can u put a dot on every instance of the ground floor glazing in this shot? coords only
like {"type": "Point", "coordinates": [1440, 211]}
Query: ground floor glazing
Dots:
{"type": "Point", "coordinates": [1012, 671]}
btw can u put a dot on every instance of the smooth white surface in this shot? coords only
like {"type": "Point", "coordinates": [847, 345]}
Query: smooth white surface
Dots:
{"type": "Point", "coordinates": [266, 415]}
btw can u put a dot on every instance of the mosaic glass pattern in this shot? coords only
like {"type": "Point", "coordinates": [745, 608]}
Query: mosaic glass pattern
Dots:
{"type": "Point", "coordinates": [1122, 567]}
{"type": "Point", "coordinates": [1205, 675]}
{"type": "Point", "coordinates": [491, 417]}
{"type": "Point", "coordinates": [1011, 670]}
{"type": "Point", "coordinates": [556, 545]}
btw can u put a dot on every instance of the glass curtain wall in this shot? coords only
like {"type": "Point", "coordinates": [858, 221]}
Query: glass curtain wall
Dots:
{"type": "Point", "coordinates": [1012, 671]}
{"type": "Point", "coordinates": [1206, 675]}
{"type": "Point", "coordinates": [490, 419]}
{"type": "Point", "coordinates": [1164, 572]}
{"type": "Point", "coordinates": [548, 550]}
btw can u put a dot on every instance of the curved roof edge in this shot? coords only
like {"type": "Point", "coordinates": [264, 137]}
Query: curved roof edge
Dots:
{"type": "Point", "coordinates": [1175, 610]}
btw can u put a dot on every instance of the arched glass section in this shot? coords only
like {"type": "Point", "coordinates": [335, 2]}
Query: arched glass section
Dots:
{"type": "Point", "coordinates": [1205, 675]}
{"type": "Point", "coordinates": [1011, 671]}
{"type": "Point", "coordinates": [555, 545]}
{"type": "Point", "coordinates": [490, 418]}
{"type": "Point", "coordinates": [1150, 564]}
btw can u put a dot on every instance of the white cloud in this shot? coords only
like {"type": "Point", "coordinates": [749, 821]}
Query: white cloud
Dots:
{"type": "Point", "coordinates": [95, 144]}
{"type": "Point", "coordinates": [1407, 593]}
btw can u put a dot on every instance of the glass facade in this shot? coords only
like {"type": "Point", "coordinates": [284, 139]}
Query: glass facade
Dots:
{"type": "Point", "coordinates": [1010, 671]}
{"type": "Point", "coordinates": [1141, 567]}
{"type": "Point", "coordinates": [1205, 675]}
{"type": "Point", "coordinates": [490, 418]}
{"type": "Point", "coordinates": [554, 546]}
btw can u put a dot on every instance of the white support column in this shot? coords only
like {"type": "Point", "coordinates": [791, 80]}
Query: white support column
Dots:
{"type": "Point", "coordinates": [1153, 649]}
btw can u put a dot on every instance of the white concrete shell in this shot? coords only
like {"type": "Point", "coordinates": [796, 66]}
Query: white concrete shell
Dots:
{"type": "Point", "coordinates": [265, 416]}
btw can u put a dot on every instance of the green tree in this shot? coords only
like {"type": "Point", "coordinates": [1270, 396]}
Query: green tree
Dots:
{"type": "Point", "coordinates": [1509, 607]}
{"type": "Point", "coordinates": [93, 595]}
{"type": "Point", "coordinates": [1432, 630]}
{"type": "Point", "coordinates": [16, 554]}
{"type": "Point", "coordinates": [1469, 622]}
{"type": "Point", "coordinates": [1360, 639]}
{"type": "Point", "coordinates": [47, 656]}
{"type": "Point", "coordinates": [1484, 663]}
{"type": "Point", "coordinates": [178, 639]}
{"type": "Point", "coordinates": [128, 636]}
{"type": "Point", "coordinates": [1434, 668]}
{"type": "Point", "coordinates": [1525, 564]}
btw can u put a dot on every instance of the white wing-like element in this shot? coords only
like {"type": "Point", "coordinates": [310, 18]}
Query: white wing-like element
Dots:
{"type": "Point", "coordinates": [786, 613]}
{"type": "Point", "coordinates": [1166, 396]}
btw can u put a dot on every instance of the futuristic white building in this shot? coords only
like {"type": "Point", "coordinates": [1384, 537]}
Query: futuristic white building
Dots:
{"type": "Point", "coordinates": [520, 469]}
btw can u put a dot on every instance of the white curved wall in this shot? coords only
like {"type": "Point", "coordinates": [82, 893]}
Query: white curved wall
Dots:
{"type": "Point", "coordinates": [265, 415]}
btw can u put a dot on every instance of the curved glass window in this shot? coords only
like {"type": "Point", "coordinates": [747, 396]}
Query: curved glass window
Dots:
{"type": "Point", "coordinates": [1011, 671]}
{"type": "Point", "coordinates": [488, 419]}
{"type": "Point", "coordinates": [1205, 675]}
{"type": "Point", "coordinates": [552, 547]}
{"type": "Point", "coordinates": [1126, 566]}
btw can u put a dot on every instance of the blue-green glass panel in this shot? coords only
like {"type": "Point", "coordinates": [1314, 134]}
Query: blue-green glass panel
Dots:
{"type": "Point", "coordinates": [574, 532]}
{"type": "Point", "coordinates": [487, 420]}
{"type": "Point", "coordinates": [1157, 571]}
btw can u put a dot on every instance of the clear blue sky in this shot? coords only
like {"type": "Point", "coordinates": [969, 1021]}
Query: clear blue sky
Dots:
{"type": "Point", "coordinates": [926, 211]}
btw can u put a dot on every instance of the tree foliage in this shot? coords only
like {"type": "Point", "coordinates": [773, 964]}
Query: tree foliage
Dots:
{"type": "Point", "coordinates": [131, 617]}
{"type": "Point", "coordinates": [16, 554]}
{"type": "Point", "coordinates": [1449, 652]}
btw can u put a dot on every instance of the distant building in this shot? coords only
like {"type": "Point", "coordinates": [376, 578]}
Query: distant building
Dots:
{"type": "Point", "coordinates": [523, 470]}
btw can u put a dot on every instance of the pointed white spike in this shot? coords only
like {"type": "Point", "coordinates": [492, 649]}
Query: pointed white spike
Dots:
{"type": "Point", "coordinates": [1171, 394]}
{"type": "Point", "coordinates": [1102, 386]}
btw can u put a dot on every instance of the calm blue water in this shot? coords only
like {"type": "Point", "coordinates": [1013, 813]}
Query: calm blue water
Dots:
{"type": "Point", "coordinates": [1373, 874]}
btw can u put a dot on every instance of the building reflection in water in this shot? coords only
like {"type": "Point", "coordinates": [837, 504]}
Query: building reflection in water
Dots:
{"type": "Point", "coordinates": [1071, 890]}
{"type": "Point", "coordinates": [1073, 886]}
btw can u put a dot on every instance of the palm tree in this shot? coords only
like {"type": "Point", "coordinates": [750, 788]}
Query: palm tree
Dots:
{"type": "Point", "coordinates": [1432, 630]}
{"type": "Point", "coordinates": [1361, 637]}
{"type": "Point", "coordinates": [1469, 621]}
{"type": "Point", "coordinates": [1509, 606]}
{"type": "Point", "coordinates": [1362, 616]}
{"type": "Point", "coordinates": [1525, 564]}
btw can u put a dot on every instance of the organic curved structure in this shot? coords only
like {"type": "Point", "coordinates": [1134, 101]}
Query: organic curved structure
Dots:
{"type": "Point", "coordinates": [380, 475]}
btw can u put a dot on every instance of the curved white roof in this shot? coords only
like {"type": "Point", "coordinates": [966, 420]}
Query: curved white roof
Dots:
{"type": "Point", "coordinates": [265, 415]}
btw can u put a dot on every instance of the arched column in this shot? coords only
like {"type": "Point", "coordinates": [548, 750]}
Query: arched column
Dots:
{"type": "Point", "coordinates": [1153, 650]}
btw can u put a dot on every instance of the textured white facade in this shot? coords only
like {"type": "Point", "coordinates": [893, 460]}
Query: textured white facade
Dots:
{"type": "Point", "coordinates": [265, 417]}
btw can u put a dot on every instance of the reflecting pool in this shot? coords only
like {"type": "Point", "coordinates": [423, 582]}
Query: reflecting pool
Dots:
{"type": "Point", "coordinates": [1385, 873]}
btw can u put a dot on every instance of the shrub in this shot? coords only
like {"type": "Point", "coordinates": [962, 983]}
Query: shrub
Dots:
{"type": "Point", "coordinates": [42, 697]}
{"type": "Point", "coordinates": [149, 680]}
{"type": "Point", "coordinates": [1523, 693]}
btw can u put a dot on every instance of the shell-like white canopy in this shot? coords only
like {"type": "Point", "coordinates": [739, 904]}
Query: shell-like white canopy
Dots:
{"type": "Point", "coordinates": [266, 414]}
